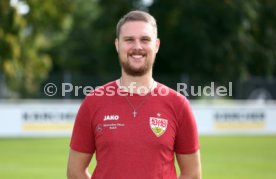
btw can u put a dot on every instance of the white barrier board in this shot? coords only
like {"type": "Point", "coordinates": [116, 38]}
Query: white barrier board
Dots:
{"type": "Point", "coordinates": [232, 117]}
{"type": "Point", "coordinates": [37, 118]}
{"type": "Point", "coordinates": [56, 118]}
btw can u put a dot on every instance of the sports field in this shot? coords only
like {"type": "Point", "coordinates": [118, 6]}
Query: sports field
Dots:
{"type": "Point", "coordinates": [223, 157]}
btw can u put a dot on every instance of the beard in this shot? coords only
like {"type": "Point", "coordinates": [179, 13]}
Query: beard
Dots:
{"type": "Point", "coordinates": [130, 70]}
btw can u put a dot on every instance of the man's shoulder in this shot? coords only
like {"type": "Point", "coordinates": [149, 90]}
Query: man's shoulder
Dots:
{"type": "Point", "coordinates": [164, 90]}
{"type": "Point", "coordinates": [111, 83]}
{"type": "Point", "coordinates": [103, 90]}
{"type": "Point", "coordinates": [170, 95]}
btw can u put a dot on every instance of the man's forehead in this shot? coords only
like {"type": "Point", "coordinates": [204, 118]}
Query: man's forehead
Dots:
{"type": "Point", "coordinates": [137, 28]}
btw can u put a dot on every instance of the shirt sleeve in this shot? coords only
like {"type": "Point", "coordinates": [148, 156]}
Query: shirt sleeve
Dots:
{"type": "Point", "coordinates": [83, 136]}
{"type": "Point", "coordinates": [186, 141]}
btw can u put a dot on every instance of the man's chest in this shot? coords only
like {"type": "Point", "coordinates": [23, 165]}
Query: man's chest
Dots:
{"type": "Point", "coordinates": [116, 127]}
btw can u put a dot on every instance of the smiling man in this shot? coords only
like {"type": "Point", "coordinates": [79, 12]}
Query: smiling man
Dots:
{"type": "Point", "coordinates": [137, 45]}
{"type": "Point", "coordinates": [136, 132]}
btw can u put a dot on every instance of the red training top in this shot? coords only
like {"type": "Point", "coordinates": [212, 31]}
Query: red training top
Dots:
{"type": "Point", "coordinates": [140, 147]}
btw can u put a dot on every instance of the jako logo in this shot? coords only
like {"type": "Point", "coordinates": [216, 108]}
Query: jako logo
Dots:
{"type": "Point", "coordinates": [111, 117]}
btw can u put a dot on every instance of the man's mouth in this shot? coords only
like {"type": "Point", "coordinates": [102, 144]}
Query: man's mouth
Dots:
{"type": "Point", "coordinates": [137, 56]}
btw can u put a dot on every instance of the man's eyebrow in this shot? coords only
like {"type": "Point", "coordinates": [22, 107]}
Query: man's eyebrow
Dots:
{"type": "Point", "coordinates": [127, 37]}
{"type": "Point", "coordinates": [146, 37]}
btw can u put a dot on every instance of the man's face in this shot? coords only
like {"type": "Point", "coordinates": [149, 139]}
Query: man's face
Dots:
{"type": "Point", "coordinates": [137, 46]}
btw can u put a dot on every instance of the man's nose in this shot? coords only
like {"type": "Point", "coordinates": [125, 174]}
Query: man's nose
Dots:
{"type": "Point", "coordinates": [137, 44]}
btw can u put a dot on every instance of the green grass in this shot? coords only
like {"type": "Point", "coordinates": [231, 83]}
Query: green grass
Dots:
{"type": "Point", "coordinates": [251, 157]}
{"type": "Point", "coordinates": [30, 158]}
{"type": "Point", "coordinates": [223, 157]}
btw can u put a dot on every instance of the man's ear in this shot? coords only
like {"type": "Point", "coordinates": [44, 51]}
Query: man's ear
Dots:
{"type": "Point", "coordinates": [116, 44]}
{"type": "Point", "coordinates": [157, 45]}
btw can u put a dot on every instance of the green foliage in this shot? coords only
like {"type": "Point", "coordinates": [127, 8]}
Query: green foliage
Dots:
{"type": "Point", "coordinates": [24, 42]}
{"type": "Point", "coordinates": [208, 40]}
{"type": "Point", "coordinates": [263, 62]}
{"type": "Point", "coordinates": [89, 47]}
{"type": "Point", "coordinates": [216, 40]}
{"type": "Point", "coordinates": [77, 51]}
{"type": "Point", "coordinates": [111, 12]}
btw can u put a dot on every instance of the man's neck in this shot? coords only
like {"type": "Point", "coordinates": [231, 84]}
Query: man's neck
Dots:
{"type": "Point", "coordinates": [134, 83]}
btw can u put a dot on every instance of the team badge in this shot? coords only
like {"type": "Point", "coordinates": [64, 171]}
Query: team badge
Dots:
{"type": "Point", "coordinates": [158, 125]}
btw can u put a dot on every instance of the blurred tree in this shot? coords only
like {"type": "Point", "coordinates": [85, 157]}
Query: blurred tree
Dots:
{"type": "Point", "coordinates": [208, 40]}
{"type": "Point", "coordinates": [111, 12]}
{"type": "Point", "coordinates": [263, 60]}
{"type": "Point", "coordinates": [75, 51]}
{"type": "Point", "coordinates": [89, 47]}
{"type": "Point", "coordinates": [24, 40]}
{"type": "Point", "coordinates": [216, 40]}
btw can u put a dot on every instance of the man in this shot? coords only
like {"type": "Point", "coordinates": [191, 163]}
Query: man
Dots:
{"type": "Point", "coordinates": [135, 125]}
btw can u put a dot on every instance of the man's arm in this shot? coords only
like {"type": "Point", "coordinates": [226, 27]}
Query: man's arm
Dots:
{"type": "Point", "coordinates": [77, 167]}
{"type": "Point", "coordinates": [190, 165]}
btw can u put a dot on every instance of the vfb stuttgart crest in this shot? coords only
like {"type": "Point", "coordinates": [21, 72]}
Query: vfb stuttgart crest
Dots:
{"type": "Point", "coordinates": [158, 125]}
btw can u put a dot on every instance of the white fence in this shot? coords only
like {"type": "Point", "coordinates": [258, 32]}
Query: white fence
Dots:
{"type": "Point", "coordinates": [56, 118]}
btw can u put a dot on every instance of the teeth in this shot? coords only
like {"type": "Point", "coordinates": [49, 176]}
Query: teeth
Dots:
{"type": "Point", "coordinates": [137, 56]}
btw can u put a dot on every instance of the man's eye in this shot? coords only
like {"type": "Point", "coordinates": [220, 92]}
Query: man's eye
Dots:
{"type": "Point", "coordinates": [128, 40]}
{"type": "Point", "coordinates": [145, 40]}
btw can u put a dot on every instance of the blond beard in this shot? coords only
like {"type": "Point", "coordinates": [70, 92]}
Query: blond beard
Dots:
{"type": "Point", "coordinates": [138, 71]}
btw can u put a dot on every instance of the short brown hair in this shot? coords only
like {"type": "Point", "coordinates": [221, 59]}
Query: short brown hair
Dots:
{"type": "Point", "coordinates": [136, 16]}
